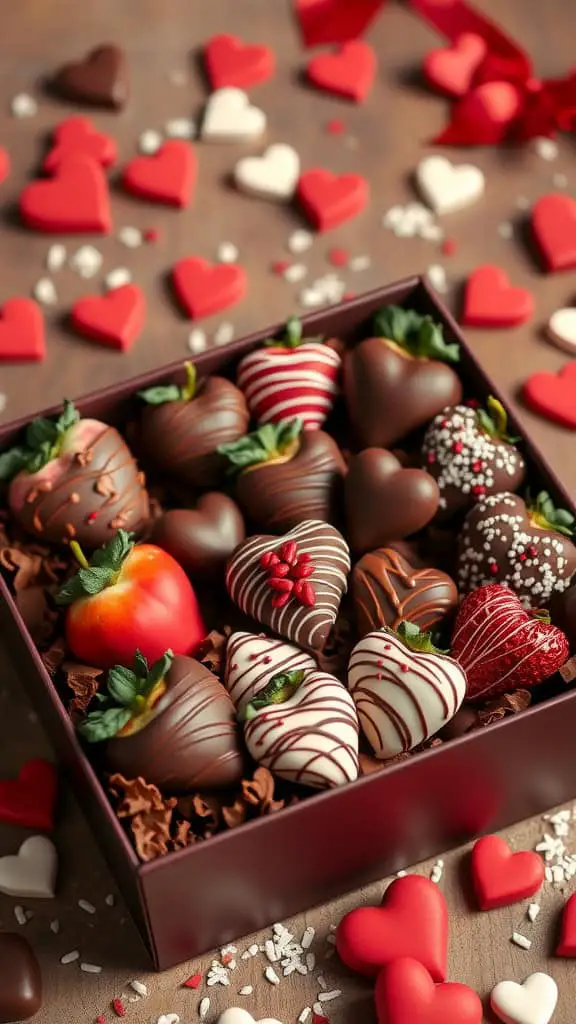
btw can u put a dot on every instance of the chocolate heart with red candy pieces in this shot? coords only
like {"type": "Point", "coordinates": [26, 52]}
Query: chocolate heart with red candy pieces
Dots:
{"type": "Point", "coordinates": [292, 584]}
{"type": "Point", "coordinates": [501, 646]}
{"type": "Point", "coordinates": [406, 994]}
{"type": "Point", "coordinates": [396, 382]}
{"type": "Point", "coordinates": [502, 877]}
{"type": "Point", "coordinates": [369, 938]}
{"type": "Point", "coordinates": [29, 800]}
{"type": "Point", "coordinates": [100, 79]}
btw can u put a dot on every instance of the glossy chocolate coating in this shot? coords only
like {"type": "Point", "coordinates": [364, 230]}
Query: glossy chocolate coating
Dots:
{"type": "Point", "coordinates": [563, 612]}
{"type": "Point", "coordinates": [100, 79]}
{"type": "Point", "coordinates": [181, 438]}
{"type": "Point", "coordinates": [386, 590]}
{"type": "Point", "coordinates": [192, 742]}
{"type": "Point", "coordinates": [385, 502]}
{"type": "Point", "coordinates": [279, 495]}
{"type": "Point", "coordinates": [389, 394]}
{"type": "Point", "coordinates": [465, 719]}
{"type": "Point", "coordinates": [201, 539]}
{"type": "Point", "coordinates": [20, 979]}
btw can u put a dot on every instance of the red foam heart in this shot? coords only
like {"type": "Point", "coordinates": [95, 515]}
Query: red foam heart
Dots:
{"type": "Point", "coordinates": [334, 21]}
{"type": "Point", "coordinates": [231, 62]}
{"type": "Point", "coordinates": [330, 199]}
{"type": "Point", "coordinates": [115, 319]}
{"type": "Point", "coordinates": [553, 395]}
{"type": "Point", "coordinates": [554, 229]}
{"type": "Point", "coordinates": [406, 994]}
{"type": "Point", "coordinates": [204, 288]}
{"type": "Point", "coordinates": [567, 943]}
{"type": "Point", "coordinates": [75, 201]}
{"type": "Point", "coordinates": [167, 176]}
{"type": "Point", "coordinates": [370, 937]}
{"type": "Point", "coordinates": [29, 800]}
{"type": "Point", "coordinates": [78, 136]}
{"type": "Point", "coordinates": [484, 116]}
{"type": "Point", "coordinates": [349, 72]}
{"type": "Point", "coordinates": [501, 877]}
{"type": "Point", "coordinates": [452, 69]}
{"type": "Point", "coordinates": [21, 332]}
{"type": "Point", "coordinates": [4, 164]}
{"type": "Point", "coordinates": [491, 301]}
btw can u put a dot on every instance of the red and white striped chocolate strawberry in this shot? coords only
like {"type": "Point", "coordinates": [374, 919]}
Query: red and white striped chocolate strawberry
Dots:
{"type": "Point", "coordinates": [502, 646]}
{"type": "Point", "coordinates": [295, 376]}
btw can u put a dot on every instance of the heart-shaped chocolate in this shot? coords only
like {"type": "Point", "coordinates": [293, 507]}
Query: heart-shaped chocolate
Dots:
{"type": "Point", "coordinates": [251, 661]}
{"type": "Point", "coordinates": [387, 590]}
{"type": "Point", "coordinates": [100, 79]}
{"type": "Point", "coordinates": [293, 584]}
{"type": "Point", "coordinates": [20, 979]}
{"type": "Point", "coordinates": [385, 502]}
{"type": "Point", "coordinates": [201, 539]}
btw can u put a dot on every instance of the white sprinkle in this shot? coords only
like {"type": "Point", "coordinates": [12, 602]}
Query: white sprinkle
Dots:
{"type": "Point", "coordinates": [321, 981]}
{"type": "Point", "coordinates": [300, 241]}
{"type": "Point", "coordinates": [358, 263]}
{"type": "Point", "coordinates": [168, 1018]}
{"type": "Point", "coordinates": [533, 911]}
{"type": "Point", "coordinates": [560, 180]}
{"type": "Point", "coordinates": [548, 873]}
{"type": "Point", "coordinates": [69, 958]}
{"type": "Point", "coordinates": [545, 148]}
{"type": "Point", "coordinates": [177, 77]}
{"type": "Point", "coordinates": [20, 914]}
{"type": "Point", "coordinates": [246, 955]}
{"type": "Point", "coordinates": [270, 951]}
{"type": "Point", "coordinates": [55, 926]}
{"type": "Point", "coordinates": [90, 968]}
{"type": "Point", "coordinates": [224, 333]}
{"type": "Point", "coordinates": [180, 128]}
{"type": "Point", "coordinates": [45, 292]}
{"type": "Point", "coordinates": [522, 203]}
{"type": "Point", "coordinates": [55, 257]}
{"type": "Point", "coordinates": [139, 987]}
{"type": "Point", "coordinates": [110, 900]}
{"type": "Point", "coordinates": [23, 105]}
{"type": "Point", "coordinates": [304, 1015]}
{"type": "Point", "coordinates": [88, 907]}
{"type": "Point", "coordinates": [440, 863]}
{"type": "Point", "coordinates": [557, 874]}
{"type": "Point", "coordinates": [401, 874]}
{"type": "Point", "coordinates": [308, 937]}
{"type": "Point", "coordinates": [226, 252]}
{"type": "Point", "coordinates": [318, 1009]}
{"type": "Point", "coordinates": [228, 950]}
{"type": "Point", "coordinates": [204, 1007]}
{"type": "Point", "coordinates": [149, 142]}
{"type": "Point", "coordinates": [86, 261]}
{"type": "Point", "coordinates": [197, 340]}
{"type": "Point", "coordinates": [521, 940]}
{"type": "Point", "coordinates": [130, 237]}
{"type": "Point", "coordinates": [253, 949]}
{"type": "Point", "coordinates": [271, 976]}
{"type": "Point", "coordinates": [505, 229]}
{"type": "Point", "coordinates": [327, 997]}
{"type": "Point", "coordinates": [232, 965]}
{"type": "Point", "coordinates": [436, 874]}
{"type": "Point", "coordinates": [310, 297]}
{"type": "Point", "coordinates": [431, 232]}
{"type": "Point", "coordinates": [393, 216]}
{"type": "Point", "coordinates": [117, 278]}
{"type": "Point", "coordinates": [436, 274]}
{"type": "Point", "coordinates": [246, 991]}
{"type": "Point", "coordinates": [295, 273]}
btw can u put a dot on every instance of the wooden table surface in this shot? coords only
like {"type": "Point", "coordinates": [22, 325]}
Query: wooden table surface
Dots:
{"type": "Point", "coordinates": [384, 140]}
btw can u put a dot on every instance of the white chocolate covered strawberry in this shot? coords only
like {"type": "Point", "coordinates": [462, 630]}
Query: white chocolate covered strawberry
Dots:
{"type": "Point", "coordinates": [251, 660]}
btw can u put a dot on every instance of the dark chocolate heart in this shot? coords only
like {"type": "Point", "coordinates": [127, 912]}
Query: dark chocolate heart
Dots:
{"type": "Point", "coordinates": [20, 979]}
{"type": "Point", "coordinates": [387, 590]}
{"type": "Point", "coordinates": [201, 539]}
{"type": "Point", "coordinates": [385, 502]}
{"type": "Point", "coordinates": [100, 79]}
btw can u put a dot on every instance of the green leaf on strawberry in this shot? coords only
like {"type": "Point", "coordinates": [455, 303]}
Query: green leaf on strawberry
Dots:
{"type": "Point", "coordinates": [415, 640]}
{"type": "Point", "coordinates": [293, 336]}
{"type": "Point", "coordinates": [102, 571]}
{"type": "Point", "coordinates": [42, 443]}
{"type": "Point", "coordinates": [494, 421]}
{"type": "Point", "coordinates": [171, 392]}
{"type": "Point", "coordinates": [128, 695]}
{"type": "Point", "coordinates": [280, 688]}
{"type": "Point", "coordinates": [544, 514]}
{"type": "Point", "coordinates": [269, 443]}
{"type": "Point", "coordinates": [416, 333]}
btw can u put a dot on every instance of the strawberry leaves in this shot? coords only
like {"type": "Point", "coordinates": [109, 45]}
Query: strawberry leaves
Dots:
{"type": "Point", "coordinates": [42, 443]}
{"type": "Point", "coordinates": [279, 689]}
{"type": "Point", "coordinates": [102, 571]}
{"type": "Point", "coordinates": [129, 692]}
{"type": "Point", "coordinates": [417, 334]}
{"type": "Point", "coordinates": [171, 392]}
{"type": "Point", "coordinates": [292, 337]}
{"type": "Point", "coordinates": [269, 443]}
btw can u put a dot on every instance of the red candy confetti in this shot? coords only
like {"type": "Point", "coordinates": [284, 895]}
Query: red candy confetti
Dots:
{"type": "Point", "coordinates": [118, 1007]}
{"type": "Point", "coordinates": [335, 126]}
{"type": "Point", "coordinates": [101, 1019]}
{"type": "Point", "coordinates": [449, 246]}
{"type": "Point", "coordinates": [338, 257]}
{"type": "Point", "coordinates": [4, 164]}
{"type": "Point", "coordinates": [280, 266]}
{"type": "Point", "coordinates": [192, 982]}
{"type": "Point", "coordinates": [151, 235]}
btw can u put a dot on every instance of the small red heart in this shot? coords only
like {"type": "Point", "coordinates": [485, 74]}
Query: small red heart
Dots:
{"type": "Point", "coordinates": [334, 21]}
{"type": "Point", "coordinates": [501, 877]}
{"type": "Point", "coordinates": [553, 395]}
{"type": "Point", "coordinates": [21, 332]}
{"type": "Point", "coordinates": [204, 288]}
{"type": "Point", "coordinates": [406, 994]}
{"type": "Point", "coordinates": [167, 176]}
{"type": "Point", "coordinates": [369, 938]}
{"type": "Point", "coordinates": [329, 199]}
{"type": "Point", "coordinates": [4, 164]}
{"type": "Point", "coordinates": [115, 319]}
{"type": "Point", "coordinates": [491, 301]}
{"type": "Point", "coordinates": [567, 943]}
{"type": "Point", "coordinates": [452, 69]}
{"type": "Point", "coordinates": [483, 117]}
{"type": "Point", "coordinates": [78, 136]}
{"type": "Point", "coordinates": [29, 800]}
{"type": "Point", "coordinates": [75, 201]}
{"type": "Point", "coordinates": [554, 229]}
{"type": "Point", "coordinates": [349, 72]}
{"type": "Point", "coordinates": [231, 62]}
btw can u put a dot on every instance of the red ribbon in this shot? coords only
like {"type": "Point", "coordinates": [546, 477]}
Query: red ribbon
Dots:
{"type": "Point", "coordinates": [504, 100]}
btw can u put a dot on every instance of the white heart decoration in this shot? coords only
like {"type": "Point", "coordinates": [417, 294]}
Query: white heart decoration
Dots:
{"type": "Point", "coordinates": [533, 1002]}
{"type": "Point", "coordinates": [237, 1015]}
{"type": "Point", "coordinates": [230, 117]}
{"type": "Point", "coordinates": [252, 660]}
{"type": "Point", "coordinates": [274, 175]}
{"type": "Point", "coordinates": [446, 187]}
{"type": "Point", "coordinates": [168, 1018]}
{"type": "Point", "coordinates": [31, 873]}
{"type": "Point", "coordinates": [562, 329]}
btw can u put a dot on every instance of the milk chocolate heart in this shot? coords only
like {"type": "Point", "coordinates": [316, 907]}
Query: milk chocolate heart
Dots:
{"type": "Point", "coordinates": [388, 590]}
{"type": "Point", "coordinates": [100, 79]}
{"type": "Point", "coordinates": [20, 979]}
{"type": "Point", "coordinates": [201, 539]}
{"type": "Point", "coordinates": [384, 501]}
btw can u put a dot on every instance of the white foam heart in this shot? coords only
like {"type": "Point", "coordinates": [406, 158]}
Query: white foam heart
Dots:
{"type": "Point", "coordinates": [274, 175]}
{"type": "Point", "coordinates": [533, 1002]}
{"type": "Point", "coordinates": [230, 117]}
{"type": "Point", "coordinates": [32, 871]}
{"type": "Point", "coordinates": [446, 187]}
{"type": "Point", "coordinates": [562, 329]}
{"type": "Point", "coordinates": [237, 1015]}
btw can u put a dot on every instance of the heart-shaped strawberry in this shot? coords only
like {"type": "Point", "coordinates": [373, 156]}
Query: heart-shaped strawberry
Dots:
{"type": "Point", "coordinates": [553, 395]}
{"type": "Point", "coordinates": [74, 201]}
{"type": "Point", "coordinates": [115, 319]}
{"type": "Point", "coordinates": [532, 1002]}
{"type": "Point", "coordinates": [294, 376]}
{"type": "Point", "coordinates": [203, 538]}
{"type": "Point", "coordinates": [567, 943]}
{"type": "Point", "coordinates": [388, 590]}
{"type": "Point", "coordinates": [167, 176]}
{"type": "Point", "coordinates": [349, 72]}
{"type": "Point", "coordinates": [405, 992]}
{"type": "Point", "coordinates": [554, 230]}
{"type": "Point", "coordinates": [78, 136]}
{"type": "Point", "coordinates": [483, 117]}
{"type": "Point", "coordinates": [21, 332]}
{"type": "Point", "coordinates": [385, 502]}
{"type": "Point", "coordinates": [100, 79]}
{"type": "Point", "coordinates": [204, 288]}
{"type": "Point", "coordinates": [500, 876]}
{"type": "Point", "coordinates": [29, 800]}
{"type": "Point", "coordinates": [329, 199]}
{"type": "Point", "coordinates": [452, 69]}
{"type": "Point", "coordinates": [501, 646]}
{"type": "Point", "coordinates": [369, 938]}
{"type": "Point", "coordinates": [252, 660]}
{"type": "Point", "coordinates": [470, 454]}
{"type": "Point", "coordinates": [20, 979]}
{"type": "Point", "coordinates": [231, 62]}
{"type": "Point", "coordinates": [490, 300]}
{"type": "Point", "coordinates": [293, 584]}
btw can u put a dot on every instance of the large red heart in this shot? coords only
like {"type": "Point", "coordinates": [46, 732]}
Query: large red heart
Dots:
{"type": "Point", "coordinates": [501, 877]}
{"type": "Point", "coordinates": [204, 288]}
{"type": "Point", "coordinates": [452, 69]}
{"type": "Point", "coordinates": [21, 332]}
{"type": "Point", "coordinates": [406, 994]}
{"type": "Point", "coordinates": [334, 21]}
{"type": "Point", "coordinates": [483, 117]}
{"type": "Point", "coordinates": [230, 62]}
{"type": "Point", "coordinates": [4, 164]}
{"type": "Point", "coordinates": [29, 800]}
{"type": "Point", "coordinates": [329, 199]}
{"type": "Point", "coordinates": [567, 944]}
{"type": "Point", "coordinates": [491, 301]}
{"type": "Point", "coordinates": [167, 176]}
{"type": "Point", "coordinates": [370, 937]}
{"type": "Point", "coordinates": [115, 319]}
{"type": "Point", "coordinates": [349, 72]}
{"type": "Point", "coordinates": [553, 395]}
{"type": "Point", "coordinates": [78, 136]}
{"type": "Point", "coordinates": [554, 230]}
{"type": "Point", "coordinates": [75, 201]}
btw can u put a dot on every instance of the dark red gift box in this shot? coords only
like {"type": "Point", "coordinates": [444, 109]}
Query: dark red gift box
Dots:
{"type": "Point", "coordinates": [241, 881]}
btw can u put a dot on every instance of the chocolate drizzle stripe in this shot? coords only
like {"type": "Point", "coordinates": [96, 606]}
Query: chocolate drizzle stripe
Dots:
{"type": "Point", "coordinates": [251, 661]}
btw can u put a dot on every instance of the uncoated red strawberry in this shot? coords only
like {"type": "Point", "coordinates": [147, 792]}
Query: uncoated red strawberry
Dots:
{"type": "Point", "coordinates": [501, 646]}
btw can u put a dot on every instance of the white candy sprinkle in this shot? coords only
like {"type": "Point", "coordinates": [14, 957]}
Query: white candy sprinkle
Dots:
{"type": "Point", "coordinates": [321, 981]}
{"type": "Point", "coordinates": [20, 915]}
{"type": "Point", "coordinates": [224, 333]}
{"type": "Point", "coordinates": [436, 874]}
{"type": "Point", "coordinates": [228, 950]}
{"type": "Point", "coordinates": [130, 237]}
{"type": "Point", "coordinates": [88, 907]}
{"type": "Point", "coordinates": [149, 142]}
{"type": "Point", "coordinates": [327, 997]}
{"type": "Point", "coordinates": [86, 261]}
{"type": "Point", "coordinates": [310, 961]}
{"type": "Point", "coordinates": [304, 1015]}
{"type": "Point", "coordinates": [204, 1007]}
{"type": "Point", "coordinates": [69, 958]}
{"type": "Point", "coordinates": [226, 252]}
{"type": "Point", "coordinates": [505, 229]}
{"type": "Point", "coordinates": [45, 292]}
{"type": "Point", "coordinates": [431, 232]}
{"type": "Point", "coordinates": [55, 926]}
{"type": "Point", "coordinates": [139, 987]}
{"type": "Point", "coordinates": [560, 180]}
{"type": "Point", "coordinates": [271, 976]}
{"type": "Point", "coordinates": [55, 257]}
{"type": "Point", "coordinates": [295, 273]}
{"type": "Point", "coordinates": [308, 937]}
{"type": "Point", "coordinates": [197, 340]}
{"type": "Point", "coordinates": [310, 297]}
{"type": "Point", "coordinates": [533, 911]}
{"type": "Point", "coordinates": [246, 991]}
{"type": "Point", "coordinates": [168, 1018]}
{"type": "Point", "coordinates": [300, 241]}
{"type": "Point", "coordinates": [436, 274]}
{"type": "Point", "coordinates": [117, 278]}
{"type": "Point", "coordinates": [110, 900]}
{"type": "Point", "coordinates": [318, 1009]}
{"type": "Point", "coordinates": [521, 940]}
{"type": "Point", "coordinates": [545, 148]}
{"type": "Point", "coordinates": [270, 951]}
{"type": "Point", "coordinates": [23, 105]}
{"type": "Point", "coordinates": [548, 873]}
{"type": "Point", "coordinates": [90, 968]}
{"type": "Point", "coordinates": [557, 874]}
{"type": "Point", "coordinates": [401, 874]}
{"type": "Point", "coordinates": [253, 949]}
{"type": "Point", "coordinates": [180, 128]}
{"type": "Point", "coordinates": [358, 263]}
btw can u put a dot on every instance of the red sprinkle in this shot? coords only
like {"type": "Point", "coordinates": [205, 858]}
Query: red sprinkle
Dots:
{"type": "Point", "coordinates": [494, 568]}
{"type": "Point", "coordinates": [302, 570]}
{"type": "Point", "coordinates": [151, 235]}
{"type": "Point", "coordinates": [305, 593]}
{"type": "Point", "coordinates": [473, 403]}
{"type": "Point", "coordinates": [227, 959]}
{"type": "Point", "coordinates": [92, 517]}
{"type": "Point", "coordinates": [522, 557]}
{"type": "Point", "coordinates": [431, 458]}
{"type": "Point", "coordinates": [449, 246]}
{"type": "Point", "coordinates": [478, 489]}
{"type": "Point", "coordinates": [282, 569]}
{"type": "Point", "coordinates": [118, 1007]}
{"type": "Point", "coordinates": [279, 600]}
{"type": "Point", "coordinates": [335, 127]}
{"type": "Point", "coordinates": [533, 551]}
{"type": "Point", "coordinates": [338, 257]}
{"type": "Point", "coordinates": [346, 298]}
{"type": "Point", "coordinates": [289, 552]}
{"type": "Point", "coordinates": [269, 559]}
{"type": "Point", "coordinates": [283, 586]}
{"type": "Point", "coordinates": [477, 465]}
{"type": "Point", "coordinates": [192, 982]}
{"type": "Point", "coordinates": [280, 266]}
{"type": "Point", "coordinates": [101, 1019]}
{"type": "Point", "coordinates": [457, 447]}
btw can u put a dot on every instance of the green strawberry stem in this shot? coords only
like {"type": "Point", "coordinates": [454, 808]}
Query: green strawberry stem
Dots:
{"type": "Point", "coordinates": [292, 338]}
{"type": "Point", "coordinates": [102, 571]}
{"type": "Point", "coordinates": [542, 614]}
{"type": "Point", "coordinates": [494, 421]}
{"type": "Point", "coordinates": [280, 689]}
{"type": "Point", "coordinates": [161, 394]}
{"type": "Point", "coordinates": [267, 444]}
{"type": "Point", "coordinates": [416, 333]}
{"type": "Point", "coordinates": [79, 555]}
{"type": "Point", "coordinates": [42, 442]}
{"type": "Point", "coordinates": [128, 694]}
{"type": "Point", "coordinates": [414, 640]}
{"type": "Point", "coordinates": [544, 514]}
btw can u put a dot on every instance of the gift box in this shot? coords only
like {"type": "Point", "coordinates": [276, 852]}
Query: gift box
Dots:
{"type": "Point", "coordinates": [240, 881]}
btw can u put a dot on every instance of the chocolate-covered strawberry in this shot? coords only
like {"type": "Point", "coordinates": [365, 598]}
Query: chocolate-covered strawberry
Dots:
{"type": "Point", "coordinates": [74, 478]}
{"type": "Point", "coordinates": [285, 475]}
{"type": "Point", "coordinates": [388, 590]}
{"type": "Point", "coordinates": [470, 454]}
{"type": "Point", "coordinates": [173, 724]}
{"type": "Point", "coordinates": [397, 381]}
{"type": "Point", "coordinates": [527, 546]}
{"type": "Point", "coordinates": [182, 427]}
